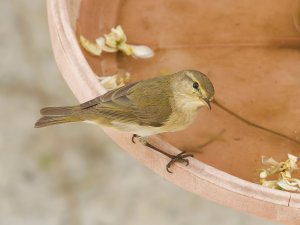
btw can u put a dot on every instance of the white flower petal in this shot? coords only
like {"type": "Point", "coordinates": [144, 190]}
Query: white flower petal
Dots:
{"type": "Point", "coordinates": [286, 186]}
{"type": "Point", "coordinates": [292, 182]}
{"type": "Point", "coordinates": [100, 41]}
{"type": "Point", "coordinates": [269, 161]}
{"type": "Point", "coordinates": [286, 174]}
{"type": "Point", "coordinates": [115, 81]}
{"type": "Point", "coordinates": [114, 41]}
{"type": "Point", "coordinates": [293, 161]}
{"type": "Point", "coordinates": [110, 40]}
{"type": "Point", "coordinates": [115, 38]}
{"type": "Point", "coordinates": [109, 83]}
{"type": "Point", "coordinates": [263, 174]}
{"type": "Point", "coordinates": [269, 183]}
{"type": "Point", "coordinates": [284, 171]}
{"type": "Point", "coordinates": [89, 46]}
{"type": "Point", "coordinates": [141, 51]}
{"type": "Point", "coordinates": [109, 49]}
{"type": "Point", "coordinates": [292, 157]}
{"type": "Point", "coordinates": [119, 33]}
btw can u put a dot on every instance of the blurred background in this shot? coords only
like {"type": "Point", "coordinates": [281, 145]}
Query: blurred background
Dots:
{"type": "Point", "coordinates": [73, 174]}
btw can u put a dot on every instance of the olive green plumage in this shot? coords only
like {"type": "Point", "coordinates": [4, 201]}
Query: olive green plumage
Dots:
{"type": "Point", "coordinates": [145, 107]}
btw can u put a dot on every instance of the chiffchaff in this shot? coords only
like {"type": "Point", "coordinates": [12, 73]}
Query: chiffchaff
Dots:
{"type": "Point", "coordinates": [162, 104]}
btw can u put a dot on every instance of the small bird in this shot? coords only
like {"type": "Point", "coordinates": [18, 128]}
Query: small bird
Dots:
{"type": "Point", "coordinates": [162, 104]}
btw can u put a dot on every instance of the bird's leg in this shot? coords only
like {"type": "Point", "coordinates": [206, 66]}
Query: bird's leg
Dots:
{"type": "Point", "coordinates": [181, 157]}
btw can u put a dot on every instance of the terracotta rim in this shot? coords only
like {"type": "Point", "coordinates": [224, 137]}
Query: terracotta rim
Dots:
{"type": "Point", "coordinates": [198, 177]}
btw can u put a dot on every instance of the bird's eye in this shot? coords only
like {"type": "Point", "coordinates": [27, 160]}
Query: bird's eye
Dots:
{"type": "Point", "coordinates": [195, 85]}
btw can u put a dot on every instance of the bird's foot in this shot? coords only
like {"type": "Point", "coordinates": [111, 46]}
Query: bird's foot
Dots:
{"type": "Point", "coordinates": [181, 157]}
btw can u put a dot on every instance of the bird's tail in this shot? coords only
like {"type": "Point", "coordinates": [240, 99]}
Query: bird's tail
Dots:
{"type": "Point", "coordinates": [58, 115]}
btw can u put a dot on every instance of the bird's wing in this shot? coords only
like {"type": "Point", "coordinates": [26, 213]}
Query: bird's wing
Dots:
{"type": "Point", "coordinates": [119, 93]}
{"type": "Point", "coordinates": [113, 106]}
{"type": "Point", "coordinates": [133, 103]}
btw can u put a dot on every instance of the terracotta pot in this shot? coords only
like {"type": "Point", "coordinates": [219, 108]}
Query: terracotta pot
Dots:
{"type": "Point", "coordinates": [249, 49]}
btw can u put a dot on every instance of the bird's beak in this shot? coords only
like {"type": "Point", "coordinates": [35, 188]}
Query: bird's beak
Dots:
{"type": "Point", "coordinates": [207, 102]}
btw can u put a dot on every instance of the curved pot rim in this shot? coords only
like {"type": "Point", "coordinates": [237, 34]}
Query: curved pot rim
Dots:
{"type": "Point", "coordinates": [198, 177]}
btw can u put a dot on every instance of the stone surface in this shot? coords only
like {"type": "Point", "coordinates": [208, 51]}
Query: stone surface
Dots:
{"type": "Point", "coordinates": [72, 174]}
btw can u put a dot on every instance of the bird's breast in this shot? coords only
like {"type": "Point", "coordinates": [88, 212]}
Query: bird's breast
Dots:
{"type": "Point", "coordinates": [180, 120]}
{"type": "Point", "coordinates": [184, 112]}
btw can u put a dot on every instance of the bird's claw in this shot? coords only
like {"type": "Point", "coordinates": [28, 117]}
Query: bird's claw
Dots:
{"type": "Point", "coordinates": [133, 137]}
{"type": "Point", "coordinates": [181, 157]}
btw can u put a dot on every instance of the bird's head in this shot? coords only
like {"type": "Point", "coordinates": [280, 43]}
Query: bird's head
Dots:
{"type": "Point", "coordinates": [195, 87]}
